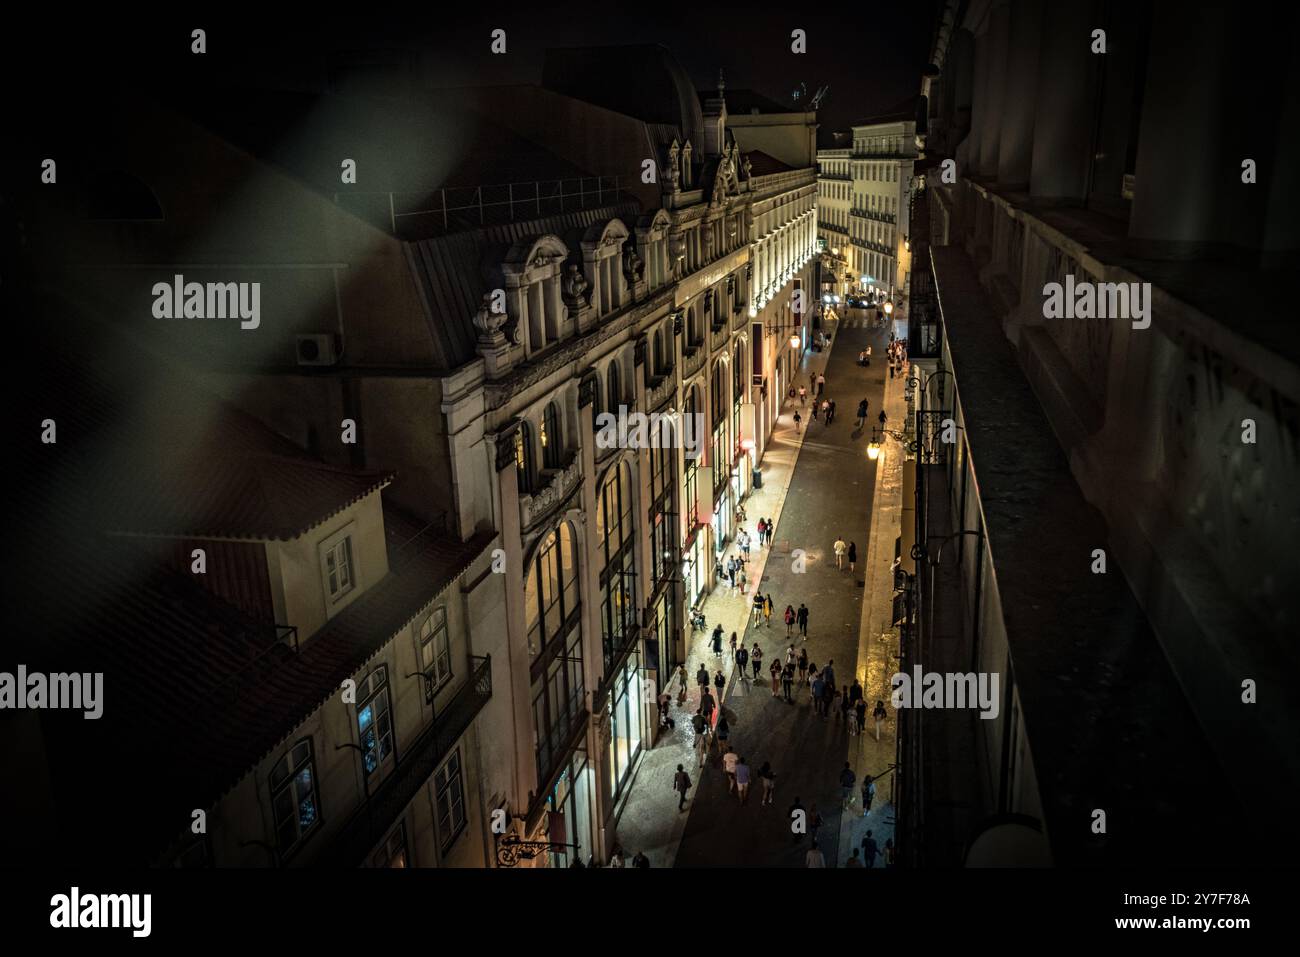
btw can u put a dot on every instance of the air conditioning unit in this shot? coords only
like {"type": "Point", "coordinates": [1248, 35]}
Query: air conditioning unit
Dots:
{"type": "Point", "coordinates": [318, 349]}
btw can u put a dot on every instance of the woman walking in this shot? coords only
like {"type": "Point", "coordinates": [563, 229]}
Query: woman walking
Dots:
{"type": "Point", "coordinates": [789, 621]}
{"type": "Point", "coordinates": [775, 671]}
{"type": "Point", "coordinates": [879, 715]}
{"type": "Point", "coordinates": [803, 664]}
{"type": "Point", "coordinates": [853, 555]}
{"type": "Point", "coordinates": [769, 782]}
{"type": "Point", "coordinates": [767, 610]}
{"type": "Point", "coordinates": [719, 682]}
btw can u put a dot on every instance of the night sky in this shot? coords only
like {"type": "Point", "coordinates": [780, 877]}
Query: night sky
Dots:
{"type": "Point", "coordinates": [871, 58]}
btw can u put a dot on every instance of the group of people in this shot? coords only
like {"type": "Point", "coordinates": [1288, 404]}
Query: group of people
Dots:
{"type": "Point", "coordinates": [817, 381]}
{"type": "Point", "coordinates": [733, 569]}
{"type": "Point", "coordinates": [897, 355]}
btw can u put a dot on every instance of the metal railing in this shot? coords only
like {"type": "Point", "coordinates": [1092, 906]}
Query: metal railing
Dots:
{"type": "Point", "coordinates": [460, 207]}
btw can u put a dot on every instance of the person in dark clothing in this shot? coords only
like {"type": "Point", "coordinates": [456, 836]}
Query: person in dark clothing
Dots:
{"type": "Point", "coordinates": [853, 556]}
{"type": "Point", "coordinates": [717, 641]}
{"type": "Point", "coordinates": [801, 616]}
{"type": "Point", "coordinates": [787, 681]}
{"type": "Point", "coordinates": [742, 661]}
{"type": "Point", "coordinates": [883, 418]}
{"type": "Point", "coordinates": [681, 784]}
{"type": "Point", "coordinates": [719, 682]}
{"type": "Point", "coordinates": [702, 678]}
{"type": "Point", "coordinates": [640, 860]}
{"type": "Point", "coordinates": [803, 665]}
{"type": "Point", "coordinates": [830, 413]}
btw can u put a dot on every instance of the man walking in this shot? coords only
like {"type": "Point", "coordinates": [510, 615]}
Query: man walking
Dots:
{"type": "Point", "coordinates": [741, 776]}
{"type": "Point", "coordinates": [757, 605]}
{"type": "Point", "coordinates": [803, 395]}
{"type": "Point", "coordinates": [869, 850]}
{"type": "Point", "coordinates": [707, 705]}
{"type": "Point", "coordinates": [787, 681]}
{"type": "Point", "coordinates": [814, 857]}
{"type": "Point", "coordinates": [742, 661]}
{"type": "Point", "coordinates": [771, 528]}
{"type": "Point", "coordinates": [681, 784]}
{"type": "Point", "coordinates": [840, 548]}
{"type": "Point", "coordinates": [802, 618]}
{"type": "Point", "coordinates": [830, 413]}
{"type": "Point", "coordinates": [868, 794]}
{"type": "Point", "coordinates": [821, 384]}
{"type": "Point", "coordinates": [862, 413]}
{"type": "Point", "coordinates": [847, 780]}
{"type": "Point", "coordinates": [818, 691]}
{"type": "Point", "coordinates": [756, 660]}
{"type": "Point", "coordinates": [702, 679]}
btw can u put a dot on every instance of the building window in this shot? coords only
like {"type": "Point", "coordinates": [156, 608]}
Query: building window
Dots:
{"type": "Point", "coordinates": [393, 851]}
{"type": "Point", "coordinates": [449, 791]}
{"type": "Point", "coordinates": [293, 796]}
{"type": "Point", "coordinates": [615, 529]}
{"type": "Point", "coordinates": [615, 387]}
{"type": "Point", "coordinates": [435, 652]}
{"type": "Point", "coordinates": [524, 457]}
{"type": "Point", "coordinates": [551, 593]}
{"type": "Point", "coordinates": [338, 568]}
{"type": "Point", "coordinates": [374, 720]}
{"type": "Point", "coordinates": [552, 438]}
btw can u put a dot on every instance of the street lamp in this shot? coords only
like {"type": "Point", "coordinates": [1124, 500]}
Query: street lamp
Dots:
{"type": "Point", "coordinates": [794, 342]}
{"type": "Point", "coordinates": [889, 307]}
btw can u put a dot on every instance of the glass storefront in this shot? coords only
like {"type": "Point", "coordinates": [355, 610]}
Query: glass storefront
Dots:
{"type": "Point", "coordinates": [570, 807]}
{"type": "Point", "coordinates": [696, 567]}
{"type": "Point", "coordinates": [626, 713]}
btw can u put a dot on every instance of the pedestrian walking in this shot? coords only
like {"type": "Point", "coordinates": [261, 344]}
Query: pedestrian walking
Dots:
{"type": "Point", "coordinates": [719, 682]}
{"type": "Point", "coordinates": [767, 610]}
{"type": "Point", "coordinates": [663, 700]}
{"type": "Point", "coordinates": [789, 621]}
{"type": "Point", "coordinates": [742, 780]}
{"type": "Point", "coordinates": [762, 530]}
{"type": "Point", "coordinates": [890, 852]}
{"type": "Point", "coordinates": [883, 418]}
{"type": "Point", "coordinates": [860, 711]}
{"type": "Point", "coordinates": [756, 607]}
{"type": "Point", "coordinates": [869, 850]}
{"type": "Point", "coordinates": [681, 685]}
{"type": "Point", "coordinates": [742, 661]}
{"type": "Point", "coordinates": [681, 784]}
{"type": "Point", "coordinates": [703, 743]}
{"type": "Point", "coordinates": [789, 655]}
{"type": "Point", "coordinates": [797, 419]}
{"type": "Point", "coordinates": [821, 384]}
{"type": "Point", "coordinates": [826, 411]}
{"type": "Point", "coordinates": [640, 860]}
{"type": "Point", "coordinates": [814, 410]}
{"type": "Point", "coordinates": [879, 714]}
{"type": "Point", "coordinates": [803, 664]}
{"type": "Point", "coordinates": [723, 731]}
{"type": "Point", "coordinates": [707, 705]}
{"type": "Point", "coordinates": [840, 548]}
{"type": "Point", "coordinates": [853, 556]}
{"type": "Point", "coordinates": [868, 793]}
{"type": "Point", "coordinates": [744, 545]}
{"type": "Point", "coordinates": [830, 413]}
{"type": "Point", "coordinates": [769, 782]}
{"type": "Point", "coordinates": [855, 691]}
{"type": "Point", "coordinates": [803, 397]}
{"type": "Point", "coordinates": [733, 644]}
{"type": "Point", "coordinates": [771, 530]}
{"type": "Point", "coordinates": [787, 682]}
{"type": "Point", "coordinates": [814, 821]}
{"type": "Point", "coordinates": [702, 678]}
{"type": "Point", "coordinates": [853, 861]}
{"type": "Point", "coordinates": [852, 720]}
{"type": "Point", "coordinates": [828, 675]}
{"type": "Point", "coordinates": [756, 660]}
{"type": "Point", "coordinates": [847, 780]}
{"type": "Point", "coordinates": [862, 413]}
{"type": "Point", "coordinates": [828, 698]}
{"type": "Point", "coordinates": [775, 671]}
{"type": "Point", "coordinates": [814, 857]}
{"type": "Point", "coordinates": [729, 761]}
{"type": "Point", "coordinates": [818, 690]}
{"type": "Point", "coordinates": [802, 617]}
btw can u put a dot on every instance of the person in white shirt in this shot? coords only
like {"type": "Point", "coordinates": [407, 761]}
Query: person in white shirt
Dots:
{"type": "Point", "coordinates": [729, 762]}
{"type": "Point", "coordinates": [814, 857]}
{"type": "Point", "coordinates": [840, 549]}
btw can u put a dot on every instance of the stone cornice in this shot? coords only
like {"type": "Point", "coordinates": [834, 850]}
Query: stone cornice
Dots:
{"type": "Point", "coordinates": [498, 393]}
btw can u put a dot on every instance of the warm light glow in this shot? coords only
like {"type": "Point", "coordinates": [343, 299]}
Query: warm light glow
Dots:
{"type": "Point", "coordinates": [889, 307]}
{"type": "Point", "coordinates": [907, 244]}
{"type": "Point", "coordinates": [747, 444]}
{"type": "Point", "coordinates": [873, 450]}
{"type": "Point", "coordinates": [827, 299]}
{"type": "Point", "coordinates": [752, 312]}
{"type": "Point", "coordinates": [794, 342]}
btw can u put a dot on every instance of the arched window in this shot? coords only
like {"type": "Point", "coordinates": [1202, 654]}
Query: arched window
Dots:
{"type": "Point", "coordinates": [555, 641]}
{"type": "Point", "coordinates": [294, 800]}
{"type": "Point", "coordinates": [552, 438]}
{"type": "Point", "coordinates": [614, 387]}
{"type": "Point", "coordinates": [524, 457]}
{"type": "Point", "coordinates": [616, 532]}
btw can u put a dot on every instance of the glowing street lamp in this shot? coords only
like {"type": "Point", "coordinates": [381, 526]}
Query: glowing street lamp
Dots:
{"type": "Point", "coordinates": [889, 307]}
{"type": "Point", "coordinates": [794, 342]}
{"type": "Point", "coordinates": [873, 450]}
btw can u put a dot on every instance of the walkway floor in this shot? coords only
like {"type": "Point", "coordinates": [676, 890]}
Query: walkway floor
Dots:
{"type": "Point", "coordinates": [817, 484]}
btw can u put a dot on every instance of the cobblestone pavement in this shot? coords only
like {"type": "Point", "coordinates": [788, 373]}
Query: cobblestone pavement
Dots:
{"type": "Point", "coordinates": [817, 484]}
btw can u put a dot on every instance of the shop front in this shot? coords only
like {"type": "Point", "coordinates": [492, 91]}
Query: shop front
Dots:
{"type": "Point", "coordinates": [626, 724]}
{"type": "Point", "coordinates": [570, 818]}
